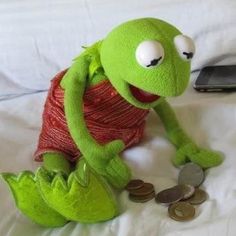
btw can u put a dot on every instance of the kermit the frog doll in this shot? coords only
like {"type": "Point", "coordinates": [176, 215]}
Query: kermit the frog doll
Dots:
{"type": "Point", "coordinates": [94, 111]}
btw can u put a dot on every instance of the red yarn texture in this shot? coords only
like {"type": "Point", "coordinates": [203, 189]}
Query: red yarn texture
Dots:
{"type": "Point", "coordinates": [108, 117]}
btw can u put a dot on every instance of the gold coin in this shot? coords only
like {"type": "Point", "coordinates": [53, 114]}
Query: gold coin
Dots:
{"type": "Point", "coordinates": [141, 199]}
{"type": "Point", "coordinates": [134, 184]}
{"type": "Point", "coordinates": [181, 211]}
{"type": "Point", "coordinates": [199, 197]}
{"type": "Point", "coordinates": [144, 190]}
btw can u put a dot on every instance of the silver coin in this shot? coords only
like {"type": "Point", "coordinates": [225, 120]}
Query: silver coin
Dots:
{"type": "Point", "coordinates": [188, 190]}
{"type": "Point", "coordinates": [191, 174]}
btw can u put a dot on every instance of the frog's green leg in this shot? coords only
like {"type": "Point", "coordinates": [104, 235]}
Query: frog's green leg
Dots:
{"type": "Point", "coordinates": [56, 162]}
{"type": "Point", "coordinates": [29, 200]}
{"type": "Point", "coordinates": [28, 197]}
{"type": "Point", "coordinates": [83, 197]}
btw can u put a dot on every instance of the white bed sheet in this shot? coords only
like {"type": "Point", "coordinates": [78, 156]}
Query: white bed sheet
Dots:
{"type": "Point", "coordinates": [208, 118]}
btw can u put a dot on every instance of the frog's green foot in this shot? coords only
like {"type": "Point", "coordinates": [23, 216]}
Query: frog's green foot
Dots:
{"type": "Point", "coordinates": [83, 197]}
{"type": "Point", "coordinates": [29, 200]}
{"type": "Point", "coordinates": [203, 157]}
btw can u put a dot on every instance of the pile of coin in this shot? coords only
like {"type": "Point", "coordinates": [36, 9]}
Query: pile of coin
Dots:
{"type": "Point", "coordinates": [140, 191]}
{"type": "Point", "coordinates": [180, 198]}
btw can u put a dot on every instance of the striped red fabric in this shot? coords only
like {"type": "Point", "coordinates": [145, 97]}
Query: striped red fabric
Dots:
{"type": "Point", "coordinates": [108, 117]}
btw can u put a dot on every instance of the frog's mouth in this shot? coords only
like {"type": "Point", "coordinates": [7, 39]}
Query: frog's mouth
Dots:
{"type": "Point", "coordinates": [143, 96]}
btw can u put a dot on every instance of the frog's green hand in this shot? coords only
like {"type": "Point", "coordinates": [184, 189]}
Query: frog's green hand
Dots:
{"type": "Point", "coordinates": [28, 199]}
{"type": "Point", "coordinates": [104, 159]}
{"type": "Point", "coordinates": [186, 149]}
{"type": "Point", "coordinates": [84, 197]}
{"type": "Point", "coordinates": [203, 157]}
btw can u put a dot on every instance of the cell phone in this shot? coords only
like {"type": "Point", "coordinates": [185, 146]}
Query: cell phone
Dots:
{"type": "Point", "coordinates": [216, 79]}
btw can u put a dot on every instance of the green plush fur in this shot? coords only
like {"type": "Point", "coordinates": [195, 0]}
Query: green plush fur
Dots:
{"type": "Point", "coordinates": [121, 67]}
{"type": "Point", "coordinates": [51, 200]}
{"type": "Point", "coordinates": [103, 159]}
{"type": "Point", "coordinates": [186, 149]}
{"type": "Point", "coordinates": [29, 200]}
{"type": "Point", "coordinates": [84, 195]}
{"type": "Point", "coordinates": [56, 162]}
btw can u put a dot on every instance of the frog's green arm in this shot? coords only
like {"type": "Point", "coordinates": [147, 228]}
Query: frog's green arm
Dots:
{"type": "Point", "coordinates": [74, 83]}
{"type": "Point", "coordinates": [175, 133]}
{"type": "Point", "coordinates": [103, 158]}
{"type": "Point", "coordinates": [187, 149]}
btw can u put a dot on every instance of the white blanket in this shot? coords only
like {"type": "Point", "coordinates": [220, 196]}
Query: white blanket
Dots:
{"type": "Point", "coordinates": [208, 118]}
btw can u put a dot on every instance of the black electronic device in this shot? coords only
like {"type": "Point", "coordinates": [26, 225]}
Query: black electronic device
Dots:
{"type": "Point", "coordinates": [216, 79]}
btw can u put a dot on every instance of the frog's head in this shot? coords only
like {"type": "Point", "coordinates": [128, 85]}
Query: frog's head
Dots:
{"type": "Point", "coordinates": [146, 59]}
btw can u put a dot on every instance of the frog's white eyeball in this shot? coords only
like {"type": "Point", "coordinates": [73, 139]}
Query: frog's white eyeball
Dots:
{"type": "Point", "coordinates": [185, 47]}
{"type": "Point", "coordinates": [149, 54]}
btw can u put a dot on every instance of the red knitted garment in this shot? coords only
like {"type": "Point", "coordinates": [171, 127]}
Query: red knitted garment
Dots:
{"type": "Point", "coordinates": [108, 117]}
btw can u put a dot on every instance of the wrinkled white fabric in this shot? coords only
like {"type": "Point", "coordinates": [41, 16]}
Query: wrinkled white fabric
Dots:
{"type": "Point", "coordinates": [39, 38]}
{"type": "Point", "coordinates": [208, 118]}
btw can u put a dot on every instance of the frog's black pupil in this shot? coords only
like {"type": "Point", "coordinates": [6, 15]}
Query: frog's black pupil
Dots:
{"type": "Point", "coordinates": [154, 62]}
{"type": "Point", "coordinates": [189, 55]}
